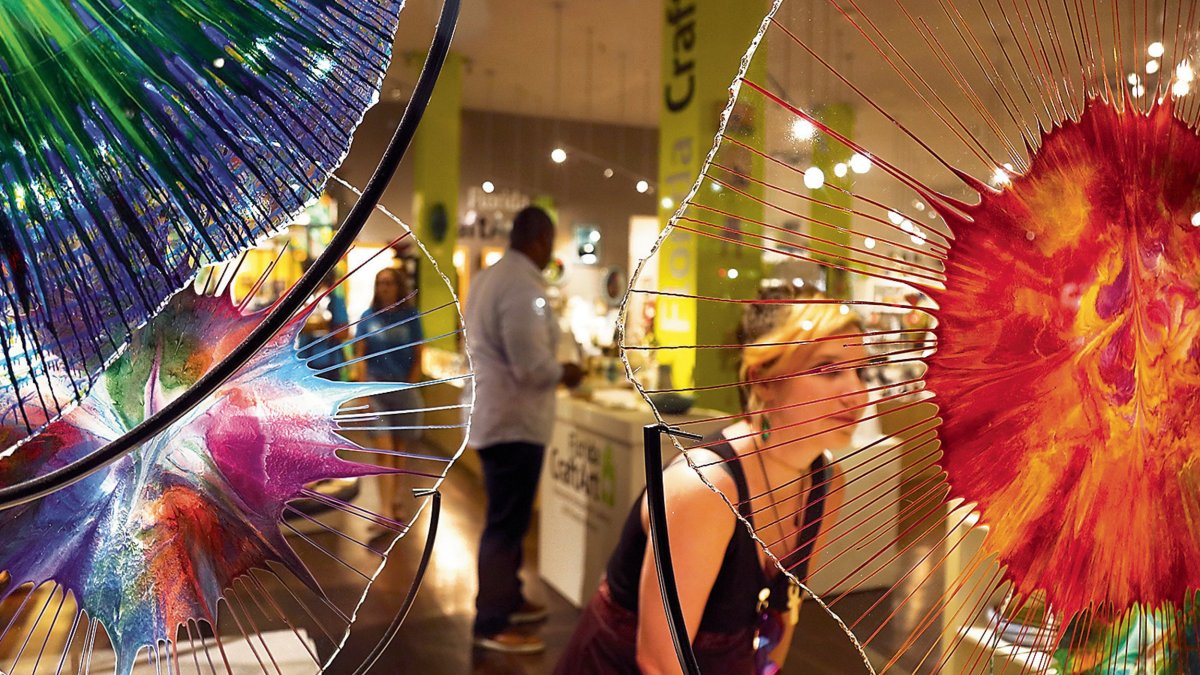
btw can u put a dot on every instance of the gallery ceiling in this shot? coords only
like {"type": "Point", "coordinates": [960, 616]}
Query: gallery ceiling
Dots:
{"type": "Point", "coordinates": [600, 61]}
{"type": "Point", "coordinates": [604, 68]}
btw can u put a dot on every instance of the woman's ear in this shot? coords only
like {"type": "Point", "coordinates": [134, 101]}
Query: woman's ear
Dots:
{"type": "Point", "coordinates": [762, 392]}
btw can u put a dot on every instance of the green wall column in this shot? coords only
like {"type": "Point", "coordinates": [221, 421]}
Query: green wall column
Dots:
{"type": "Point", "coordinates": [828, 152]}
{"type": "Point", "coordinates": [436, 154]}
{"type": "Point", "coordinates": [703, 44]}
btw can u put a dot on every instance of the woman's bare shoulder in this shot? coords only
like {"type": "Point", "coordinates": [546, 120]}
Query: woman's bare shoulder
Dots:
{"type": "Point", "coordinates": [686, 483]}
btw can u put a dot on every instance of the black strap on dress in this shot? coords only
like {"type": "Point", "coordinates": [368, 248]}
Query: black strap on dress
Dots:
{"type": "Point", "coordinates": [798, 560]}
{"type": "Point", "coordinates": [731, 602]}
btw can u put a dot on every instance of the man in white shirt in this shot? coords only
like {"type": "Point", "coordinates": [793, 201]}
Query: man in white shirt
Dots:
{"type": "Point", "coordinates": [512, 337]}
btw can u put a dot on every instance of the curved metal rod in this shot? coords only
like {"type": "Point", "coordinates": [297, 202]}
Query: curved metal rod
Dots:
{"type": "Point", "coordinates": [656, 506]}
{"type": "Point", "coordinates": [394, 627]}
{"type": "Point", "coordinates": [40, 486]}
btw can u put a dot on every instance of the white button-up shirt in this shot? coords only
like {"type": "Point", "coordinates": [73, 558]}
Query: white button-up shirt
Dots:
{"type": "Point", "coordinates": [512, 338]}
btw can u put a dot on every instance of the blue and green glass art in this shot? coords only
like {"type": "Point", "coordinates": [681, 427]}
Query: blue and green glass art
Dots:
{"type": "Point", "coordinates": [141, 140]}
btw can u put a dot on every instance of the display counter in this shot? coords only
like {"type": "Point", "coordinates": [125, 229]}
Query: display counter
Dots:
{"type": "Point", "coordinates": [593, 472]}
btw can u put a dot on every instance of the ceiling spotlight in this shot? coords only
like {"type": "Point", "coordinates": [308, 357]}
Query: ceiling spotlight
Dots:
{"type": "Point", "coordinates": [1184, 72]}
{"type": "Point", "coordinates": [860, 163]}
{"type": "Point", "coordinates": [869, 242]}
{"type": "Point", "coordinates": [802, 129]}
{"type": "Point", "coordinates": [1181, 88]}
{"type": "Point", "coordinates": [1152, 66]}
{"type": "Point", "coordinates": [840, 170]}
{"type": "Point", "coordinates": [489, 187]}
{"type": "Point", "coordinates": [642, 186]}
{"type": "Point", "coordinates": [608, 173]}
{"type": "Point", "coordinates": [667, 202]}
{"type": "Point", "coordinates": [558, 155]}
{"type": "Point", "coordinates": [1156, 49]}
{"type": "Point", "coordinates": [814, 178]}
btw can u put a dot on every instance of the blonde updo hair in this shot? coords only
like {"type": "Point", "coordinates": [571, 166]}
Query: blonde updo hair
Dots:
{"type": "Point", "coordinates": [775, 334]}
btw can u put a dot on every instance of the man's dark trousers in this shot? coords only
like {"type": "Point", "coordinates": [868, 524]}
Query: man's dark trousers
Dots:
{"type": "Point", "coordinates": [510, 475]}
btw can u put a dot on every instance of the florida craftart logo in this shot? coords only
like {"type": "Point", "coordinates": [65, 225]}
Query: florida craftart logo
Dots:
{"type": "Point", "coordinates": [681, 86]}
{"type": "Point", "coordinates": [586, 467]}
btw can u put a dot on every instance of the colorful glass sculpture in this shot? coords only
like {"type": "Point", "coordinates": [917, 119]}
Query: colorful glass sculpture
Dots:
{"type": "Point", "coordinates": [146, 139]}
{"type": "Point", "coordinates": [1008, 197]}
{"type": "Point", "coordinates": [157, 540]}
{"type": "Point", "coordinates": [144, 142]}
{"type": "Point", "coordinates": [1071, 371]}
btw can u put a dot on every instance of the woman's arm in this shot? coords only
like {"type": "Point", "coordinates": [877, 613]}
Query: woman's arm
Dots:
{"type": "Point", "coordinates": [358, 370]}
{"type": "Point", "coordinates": [701, 524]}
{"type": "Point", "coordinates": [415, 373]}
{"type": "Point", "coordinates": [418, 351]}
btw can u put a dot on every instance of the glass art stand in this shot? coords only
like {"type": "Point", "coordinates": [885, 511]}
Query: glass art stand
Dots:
{"type": "Point", "coordinates": [657, 508]}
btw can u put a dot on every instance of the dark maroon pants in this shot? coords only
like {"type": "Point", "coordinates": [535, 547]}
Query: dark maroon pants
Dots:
{"type": "Point", "coordinates": [605, 643]}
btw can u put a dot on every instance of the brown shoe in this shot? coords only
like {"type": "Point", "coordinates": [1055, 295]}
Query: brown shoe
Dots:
{"type": "Point", "coordinates": [511, 641]}
{"type": "Point", "coordinates": [529, 612]}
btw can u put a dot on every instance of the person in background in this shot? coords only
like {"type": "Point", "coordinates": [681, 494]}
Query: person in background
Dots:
{"type": "Point", "coordinates": [323, 330]}
{"type": "Point", "coordinates": [803, 396]}
{"type": "Point", "coordinates": [390, 330]}
{"type": "Point", "coordinates": [512, 339]}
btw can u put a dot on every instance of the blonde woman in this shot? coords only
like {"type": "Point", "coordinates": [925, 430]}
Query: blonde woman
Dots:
{"type": "Point", "coordinates": [800, 371]}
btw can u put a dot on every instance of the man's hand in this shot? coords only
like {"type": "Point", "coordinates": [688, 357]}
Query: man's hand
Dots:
{"type": "Point", "coordinates": [572, 375]}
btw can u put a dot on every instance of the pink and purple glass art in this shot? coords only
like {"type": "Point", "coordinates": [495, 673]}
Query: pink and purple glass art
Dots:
{"type": "Point", "coordinates": [155, 540]}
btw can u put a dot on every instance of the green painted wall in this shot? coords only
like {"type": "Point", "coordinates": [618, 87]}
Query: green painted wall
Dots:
{"type": "Point", "coordinates": [826, 153]}
{"type": "Point", "coordinates": [703, 43]}
{"type": "Point", "coordinates": [435, 155]}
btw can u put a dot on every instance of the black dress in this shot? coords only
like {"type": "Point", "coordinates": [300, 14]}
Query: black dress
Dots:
{"type": "Point", "coordinates": [605, 641]}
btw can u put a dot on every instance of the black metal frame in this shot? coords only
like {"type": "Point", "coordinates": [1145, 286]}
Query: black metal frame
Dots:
{"type": "Point", "coordinates": [656, 507]}
{"type": "Point", "coordinates": [390, 634]}
{"type": "Point", "coordinates": [45, 484]}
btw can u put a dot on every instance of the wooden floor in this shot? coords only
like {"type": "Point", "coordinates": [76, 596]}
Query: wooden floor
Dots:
{"type": "Point", "coordinates": [436, 637]}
